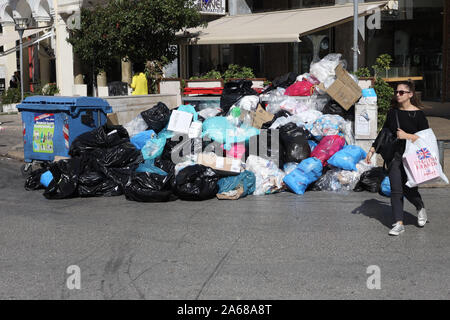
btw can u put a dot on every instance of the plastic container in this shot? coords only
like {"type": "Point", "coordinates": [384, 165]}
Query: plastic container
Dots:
{"type": "Point", "coordinates": [50, 124]}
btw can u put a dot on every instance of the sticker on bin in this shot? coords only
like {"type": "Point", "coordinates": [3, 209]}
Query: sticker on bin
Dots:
{"type": "Point", "coordinates": [43, 132]}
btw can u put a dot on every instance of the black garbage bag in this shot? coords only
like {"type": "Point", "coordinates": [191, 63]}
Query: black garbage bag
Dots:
{"type": "Point", "coordinates": [371, 180]}
{"type": "Point", "coordinates": [33, 181]}
{"type": "Point", "coordinates": [119, 156]}
{"type": "Point", "coordinates": [96, 184]}
{"type": "Point", "coordinates": [157, 117]}
{"type": "Point", "coordinates": [283, 81]}
{"type": "Point", "coordinates": [149, 187]}
{"type": "Point", "coordinates": [233, 91]}
{"type": "Point", "coordinates": [181, 146]}
{"type": "Point", "coordinates": [332, 107]}
{"type": "Point", "coordinates": [295, 143]}
{"type": "Point", "coordinates": [279, 114]}
{"type": "Point", "coordinates": [165, 165]}
{"type": "Point", "coordinates": [196, 182]}
{"type": "Point", "coordinates": [65, 179]}
{"type": "Point", "coordinates": [120, 176]}
{"type": "Point", "coordinates": [106, 136]}
{"type": "Point", "coordinates": [316, 185]}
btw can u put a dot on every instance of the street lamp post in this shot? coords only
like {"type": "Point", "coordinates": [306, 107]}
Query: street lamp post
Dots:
{"type": "Point", "coordinates": [355, 35]}
{"type": "Point", "coordinates": [21, 25]}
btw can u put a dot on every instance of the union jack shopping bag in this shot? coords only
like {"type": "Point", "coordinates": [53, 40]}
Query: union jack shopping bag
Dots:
{"type": "Point", "coordinates": [421, 159]}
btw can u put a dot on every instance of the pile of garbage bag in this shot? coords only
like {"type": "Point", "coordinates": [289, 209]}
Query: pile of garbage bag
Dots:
{"type": "Point", "coordinates": [301, 140]}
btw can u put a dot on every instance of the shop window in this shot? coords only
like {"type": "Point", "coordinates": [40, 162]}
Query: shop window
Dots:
{"type": "Point", "coordinates": [413, 37]}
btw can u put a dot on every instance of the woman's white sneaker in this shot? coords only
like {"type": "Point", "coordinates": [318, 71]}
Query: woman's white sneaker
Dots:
{"type": "Point", "coordinates": [422, 217]}
{"type": "Point", "coordinates": [397, 229]}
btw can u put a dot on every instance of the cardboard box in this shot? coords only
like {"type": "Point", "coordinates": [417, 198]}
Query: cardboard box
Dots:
{"type": "Point", "coordinates": [112, 119]}
{"type": "Point", "coordinates": [259, 117]}
{"type": "Point", "coordinates": [220, 163]}
{"type": "Point", "coordinates": [344, 90]}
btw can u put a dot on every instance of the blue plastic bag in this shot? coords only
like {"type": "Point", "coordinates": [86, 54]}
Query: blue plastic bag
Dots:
{"type": "Point", "coordinates": [245, 179]}
{"type": "Point", "coordinates": [347, 158]}
{"type": "Point", "coordinates": [308, 171]}
{"type": "Point", "coordinates": [153, 148]}
{"type": "Point", "coordinates": [141, 138]}
{"type": "Point", "coordinates": [219, 129]}
{"type": "Point", "coordinates": [289, 167]}
{"type": "Point", "coordinates": [370, 92]}
{"type": "Point", "coordinates": [189, 108]}
{"type": "Point", "coordinates": [312, 144]}
{"type": "Point", "coordinates": [386, 187]}
{"type": "Point", "coordinates": [46, 178]}
{"type": "Point", "coordinates": [149, 166]}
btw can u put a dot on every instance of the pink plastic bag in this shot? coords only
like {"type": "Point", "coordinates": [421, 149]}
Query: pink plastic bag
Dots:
{"type": "Point", "coordinates": [237, 151]}
{"type": "Point", "coordinates": [300, 88]}
{"type": "Point", "coordinates": [327, 147]}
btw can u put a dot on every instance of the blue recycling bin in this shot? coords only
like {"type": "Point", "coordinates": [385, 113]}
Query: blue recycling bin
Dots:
{"type": "Point", "coordinates": [50, 124]}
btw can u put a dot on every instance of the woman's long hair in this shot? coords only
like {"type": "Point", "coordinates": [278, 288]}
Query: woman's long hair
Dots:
{"type": "Point", "coordinates": [415, 101]}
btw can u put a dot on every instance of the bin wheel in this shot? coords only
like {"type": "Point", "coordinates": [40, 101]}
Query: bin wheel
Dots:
{"type": "Point", "coordinates": [26, 169]}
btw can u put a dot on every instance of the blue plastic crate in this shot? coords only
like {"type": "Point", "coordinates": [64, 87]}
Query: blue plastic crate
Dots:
{"type": "Point", "coordinates": [50, 124]}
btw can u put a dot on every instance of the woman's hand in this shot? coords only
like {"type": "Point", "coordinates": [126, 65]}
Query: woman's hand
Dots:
{"type": "Point", "coordinates": [369, 155]}
{"type": "Point", "coordinates": [403, 135]}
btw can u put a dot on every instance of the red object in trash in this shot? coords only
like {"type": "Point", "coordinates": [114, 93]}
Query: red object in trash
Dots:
{"type": "Point", "coordinates": [300, 88]}
{"type": "Point", "coordinates": [215, 90]}
{"type": "Point", "coordinates": [327, 147]}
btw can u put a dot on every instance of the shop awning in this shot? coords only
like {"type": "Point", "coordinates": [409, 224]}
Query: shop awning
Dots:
{"type": "Point", "coordinates": [279, 26]}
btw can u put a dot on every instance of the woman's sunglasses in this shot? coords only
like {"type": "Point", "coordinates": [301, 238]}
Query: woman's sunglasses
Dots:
{"type": "Point", "coordinates": [401, 92]}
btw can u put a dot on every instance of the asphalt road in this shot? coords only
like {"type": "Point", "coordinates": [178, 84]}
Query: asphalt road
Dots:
{"type": "Point", "coordinates": [315, 246]}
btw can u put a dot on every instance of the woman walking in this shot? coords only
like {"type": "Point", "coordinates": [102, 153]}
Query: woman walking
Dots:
{"type": "Point", "coordinates": [411, 119]}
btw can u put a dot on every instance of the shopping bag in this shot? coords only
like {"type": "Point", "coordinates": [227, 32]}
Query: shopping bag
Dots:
{"type": "Point", "coordinates": [421, 160]}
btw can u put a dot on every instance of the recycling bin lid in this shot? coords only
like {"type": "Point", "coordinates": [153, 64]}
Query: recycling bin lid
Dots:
{"type": "Point", "coordinates": [70, 104]}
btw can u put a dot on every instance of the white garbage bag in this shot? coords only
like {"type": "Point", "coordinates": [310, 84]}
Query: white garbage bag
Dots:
{"type": "Point", "coordinates": [136, 126]}
{"type": "Point", "coordinates": [269, 178]}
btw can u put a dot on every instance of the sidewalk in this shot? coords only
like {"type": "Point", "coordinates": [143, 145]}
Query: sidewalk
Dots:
{"type": "Point", "coordinates": [11, 141]}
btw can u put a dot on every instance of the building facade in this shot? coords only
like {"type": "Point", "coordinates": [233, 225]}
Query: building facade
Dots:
{"type": "Point", "coordinates": [413, 32]}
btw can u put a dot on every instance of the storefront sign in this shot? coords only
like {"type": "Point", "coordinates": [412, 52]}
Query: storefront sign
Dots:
{"type": "Point", "coordinates": [211, 6]}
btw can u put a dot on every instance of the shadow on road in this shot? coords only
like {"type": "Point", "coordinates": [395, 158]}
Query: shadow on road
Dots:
{"type": "Point", "coordinates": [382, 212]}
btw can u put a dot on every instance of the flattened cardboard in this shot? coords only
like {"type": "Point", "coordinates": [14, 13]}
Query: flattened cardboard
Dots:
{"type": "Point", "coordinates": [344, 90]}
{"type": "Point", "coordinates": [219, 163]}
{"type": "Point", "coordinates": [261, 116]}
{"type": "Point", "coordinates": [112, 119]}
